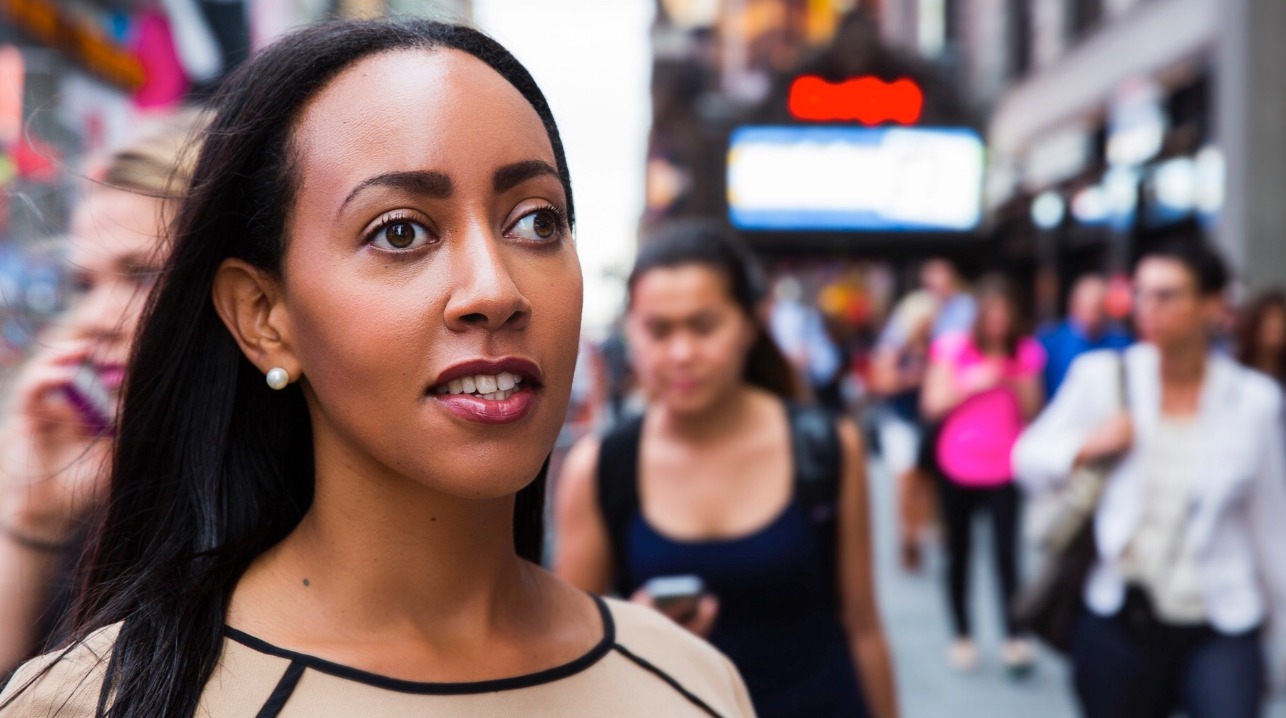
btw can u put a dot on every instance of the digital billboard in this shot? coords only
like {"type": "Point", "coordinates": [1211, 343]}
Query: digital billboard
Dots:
{"type": "Point", "coordinates": [855, 179]}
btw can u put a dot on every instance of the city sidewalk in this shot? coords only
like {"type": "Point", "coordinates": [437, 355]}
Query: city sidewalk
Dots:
{"type": "Point", "coordinates": [915, 615]}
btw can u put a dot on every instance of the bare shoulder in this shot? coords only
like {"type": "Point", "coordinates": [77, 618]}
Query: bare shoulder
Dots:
{"type": "Point", "coordinates": [659, 645]}
{"type": "Point", "coordinates": [577, 473]}
{"type": "Point", "coordinates": [64, 683]}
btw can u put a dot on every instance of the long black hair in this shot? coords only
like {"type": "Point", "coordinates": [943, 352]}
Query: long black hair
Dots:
{"type": "Point", "coordinates": [211, 467]}
{"type": "Point", "coordinates": [711, 245]}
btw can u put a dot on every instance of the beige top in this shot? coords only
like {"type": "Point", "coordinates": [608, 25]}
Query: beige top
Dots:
{"type": "Point", "coordinates": [1158, 558]}
{"type": "Point", "coordinates": [644, 666]}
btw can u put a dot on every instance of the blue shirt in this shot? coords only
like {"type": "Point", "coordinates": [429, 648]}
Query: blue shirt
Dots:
{"type": "Point", "coordinates": [956, 315]}
{"type": "Point", "coordinates": [1065, 341]}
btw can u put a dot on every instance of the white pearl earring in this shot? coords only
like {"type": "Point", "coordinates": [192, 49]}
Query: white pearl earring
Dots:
{"type": "Point", "coordinates": [278, 378]}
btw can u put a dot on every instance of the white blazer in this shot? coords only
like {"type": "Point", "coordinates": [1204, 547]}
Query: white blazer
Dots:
{"type": "Point", "coordinates": [1237, 514]}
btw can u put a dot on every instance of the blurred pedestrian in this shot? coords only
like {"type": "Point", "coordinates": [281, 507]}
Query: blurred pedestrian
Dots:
{"type": "Point", "coordinates": [60, 412]}
{"type": "Point", "coordinates": [981, 389]}
{"type": "Point", "coordinates": [726, 479]}
{"type": "Point", "coordinates": [1261, 337]}
{"type": "Point", "coordinates": [1086, 328]}
{"type": "Point", "coordinates": [800, 330]}
{"type": "Point", "coordinates": [1190, 536]}
{"type": "Point", "coordinates": [897, 376]}
{"type": "Point", "coordinates": [957, 307]}
{"type": "Point", "coordinates": [327, 487]}
{"type": "Point", "coordinates": [618, 372]}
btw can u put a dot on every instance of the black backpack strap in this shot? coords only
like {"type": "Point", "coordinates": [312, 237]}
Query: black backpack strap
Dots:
{"type": "Point", "coordinates": [618, 491]}
{"type": "Point", "coordinates": [818, 460]}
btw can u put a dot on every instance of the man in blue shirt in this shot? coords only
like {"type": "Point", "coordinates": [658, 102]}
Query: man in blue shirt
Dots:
{"type": "Point", "coordinates": [1086, 328]}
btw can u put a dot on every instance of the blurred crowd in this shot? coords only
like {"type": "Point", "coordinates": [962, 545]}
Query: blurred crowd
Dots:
{"type": "Point", "coordinates": [724, 435]}
{"type": "Point", "coordinates": [971, 407]}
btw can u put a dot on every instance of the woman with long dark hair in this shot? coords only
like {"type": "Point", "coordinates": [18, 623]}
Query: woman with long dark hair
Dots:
{"type": "Point", "coordinates": [1261, 336]}
{"type": "Point", "coordinates": [327, 485]}
{"type": "Point", "coordinates": [982, 387]}
{"type": "Point", "coordinates": [730, 507]}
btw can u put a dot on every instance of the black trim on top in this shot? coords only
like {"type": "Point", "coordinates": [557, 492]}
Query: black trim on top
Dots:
{"type": "Point", "coordinates": [285, 687]}
{"type": "Point", "coordinates": [645, 665]}
{"type": "Point", "coordinates": [550, 675]}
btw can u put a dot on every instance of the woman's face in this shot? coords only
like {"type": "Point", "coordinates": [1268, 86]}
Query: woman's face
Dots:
{"type": "Point", "coordinates": [689, 339]}
{"type": "Point", "coordinates": [996, 318]}
{"type": "Point", "coordinates": [115, 255]}
{"type": "Point", "coordinates": [428, 268]}
{"type": "Point", "coordinates": [1169, 308]}
{"type": "Point", "coordinates": [1272, 329]}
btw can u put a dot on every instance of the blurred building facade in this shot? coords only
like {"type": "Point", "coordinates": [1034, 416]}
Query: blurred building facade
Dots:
{"type": "Point", "coordinates": [1108, 124]}
{"type": "Point", "coordinates": [718, 66]}
{"type": "Point", "coordinates": [1113, 122]}
{"type": "Point", "coordinates": [724, 70]}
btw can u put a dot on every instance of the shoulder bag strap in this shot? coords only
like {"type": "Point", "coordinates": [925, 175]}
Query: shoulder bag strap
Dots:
{"type": "Point", "coordinates": [617, 479]}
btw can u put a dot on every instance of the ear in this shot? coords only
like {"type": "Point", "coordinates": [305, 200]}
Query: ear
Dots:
{"type": "Point", "coordinates": [249, 301]}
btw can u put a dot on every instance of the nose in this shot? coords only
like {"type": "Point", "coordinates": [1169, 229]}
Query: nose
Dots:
{"type": "Point", "coordinates": [681, 348]}
{"type": "Point", "coordinates": [483, 293]}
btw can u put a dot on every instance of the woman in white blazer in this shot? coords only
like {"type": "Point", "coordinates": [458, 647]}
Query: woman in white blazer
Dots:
{"type": "Point", "coordinates": [1191, 527]}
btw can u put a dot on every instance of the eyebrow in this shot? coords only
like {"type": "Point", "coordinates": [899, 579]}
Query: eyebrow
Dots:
{"type": "Point", "coordinates": [510, 176]}
{"type": "Point", "coordinates": [426, 183]}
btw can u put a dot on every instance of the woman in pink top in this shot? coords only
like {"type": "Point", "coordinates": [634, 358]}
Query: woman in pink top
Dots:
{"type": "Point", "coordinates": [982, 387]}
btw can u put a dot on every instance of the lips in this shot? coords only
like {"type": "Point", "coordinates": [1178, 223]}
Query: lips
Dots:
{"type": "Point", "coordinates": [488, 391]}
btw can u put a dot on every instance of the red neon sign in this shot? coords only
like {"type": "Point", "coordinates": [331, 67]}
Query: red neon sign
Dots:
{"type": "Point", "coordinates": [868, 100]}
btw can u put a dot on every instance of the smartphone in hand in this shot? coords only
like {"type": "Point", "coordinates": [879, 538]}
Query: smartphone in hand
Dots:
{"type": "Point", "coordinates": [676, 596]}
{"type": "Point", "coordinates": [91, 400]}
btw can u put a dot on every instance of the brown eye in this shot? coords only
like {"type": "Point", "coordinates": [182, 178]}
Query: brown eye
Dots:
{"type": "Point", "coordinates": [544, 225]}
{"type": "Point", "coordinates": [539, 226]}
{"type": "Point", "coordinates": [400, 234]}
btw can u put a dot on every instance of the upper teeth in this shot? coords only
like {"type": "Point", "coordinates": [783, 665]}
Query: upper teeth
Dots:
{"type": "Point", "coordinates": [481, 384]}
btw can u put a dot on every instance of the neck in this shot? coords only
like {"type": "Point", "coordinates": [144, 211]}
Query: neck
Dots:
{"type": "Point", "coordinates": [719, 419]}
{"type": "Point", "coordinates": [379, 554]}
{"type": "Point", "coordinates": [1183, 363]}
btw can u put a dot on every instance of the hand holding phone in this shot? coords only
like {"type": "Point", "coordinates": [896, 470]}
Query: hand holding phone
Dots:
{"type": "Point", "coordinates": [683, 599]}
{"type": "Point", "coordinates": [91, 400]}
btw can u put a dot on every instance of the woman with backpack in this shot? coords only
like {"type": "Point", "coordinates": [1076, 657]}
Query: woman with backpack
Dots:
{"type": "Point", "coordinates": [727, 480]}
{"type": "Point", "coordinates": [982, 387]}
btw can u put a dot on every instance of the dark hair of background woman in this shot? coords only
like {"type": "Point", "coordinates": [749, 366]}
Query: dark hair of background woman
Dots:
{"type": "Point", "coordinates": [212, 467]}
{"type": "Point", "coordinates": [1208, 269]}
{"type": "Point", "coordinates": [1249, 328]}
{"type": "Point", "coordinates": [997, 286]}
{"type": "Point", "coordinates": [711, 245]}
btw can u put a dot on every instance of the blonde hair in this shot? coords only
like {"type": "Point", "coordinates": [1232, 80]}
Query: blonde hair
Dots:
{"type": "Point", "coordinates": [160, 163]}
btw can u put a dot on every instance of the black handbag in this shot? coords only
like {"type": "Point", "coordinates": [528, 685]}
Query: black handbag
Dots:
{"type": "Point", "coordinates": [1048, 608]}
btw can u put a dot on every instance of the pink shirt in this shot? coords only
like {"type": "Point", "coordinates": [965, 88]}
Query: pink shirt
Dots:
{"type": "Point", "coordinates": [959, 352]}
{"type": "Point", "coordinates": [978, 436]}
